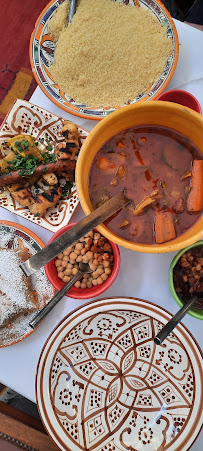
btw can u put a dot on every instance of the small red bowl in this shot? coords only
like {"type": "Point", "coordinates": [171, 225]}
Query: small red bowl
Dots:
{"type": "Point", "coordinates": [182, 98]}
{"type": "Point", "coordinates": [82, 293]}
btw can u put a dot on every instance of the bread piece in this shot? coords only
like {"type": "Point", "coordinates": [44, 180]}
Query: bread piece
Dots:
{"type": "Point", "coordinates": [16, 295]}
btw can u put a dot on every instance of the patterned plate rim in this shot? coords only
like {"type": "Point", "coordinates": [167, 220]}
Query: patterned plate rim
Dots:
{"type": "Point", "coordinates": [41, 243]}
{"type": "Point", "coordinates": [104, 111]}
{"type": "Point", "coordinates": [166, 316]}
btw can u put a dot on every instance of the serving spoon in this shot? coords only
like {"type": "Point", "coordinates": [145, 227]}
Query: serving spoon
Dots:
{"type": "Point", "coordinates": [83, 268]}
{"type": "Point", "coordinates": [76, 232]}
{"type": "Point", "coordinates": [174, 321]}
{"type": "Point", "coordinates": [72, 9]}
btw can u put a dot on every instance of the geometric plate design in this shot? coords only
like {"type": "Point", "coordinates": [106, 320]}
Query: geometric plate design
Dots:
{"type": "Point", "coordinates": [133, 394]}
{"type": "Point", "coordinates": [42, 49]}
{"type": "Point", "coordinates": [26, 118]}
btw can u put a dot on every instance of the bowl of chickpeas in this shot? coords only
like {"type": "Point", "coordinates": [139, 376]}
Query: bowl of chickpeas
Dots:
{"type": "Point", "coordinates": [102, 255]}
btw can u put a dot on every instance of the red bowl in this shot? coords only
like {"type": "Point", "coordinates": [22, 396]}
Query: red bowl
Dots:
{"type": "Point", "coordinates": [82, 293]}
{"type": "Point", "coordinates": [182, 98]}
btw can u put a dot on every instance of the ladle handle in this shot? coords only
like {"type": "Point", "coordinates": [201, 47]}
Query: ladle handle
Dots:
{"type": "Point", "coordinates": [76, 232]}
{"type": "Point", "coordinates": [51, 304]}
{"type": "Point", "coordinates": [167, 329]}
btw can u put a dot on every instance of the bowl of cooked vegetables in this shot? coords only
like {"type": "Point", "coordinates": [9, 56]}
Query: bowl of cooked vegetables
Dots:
{"type": "Point", "coordinates": [103, 258]}
{"type": "Point", "coordinates": [154, 151]}
{"type": "Point", "coordinates": [186, 277]}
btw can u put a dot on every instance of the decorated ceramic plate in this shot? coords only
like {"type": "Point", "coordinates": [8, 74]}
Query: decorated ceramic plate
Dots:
{"type": "Point", "coordinates": [42, 48]}
{"type": "Point", "coordinates": [26, 118]}
{"type": "Point", "coordinates": [102, 384]}
{"type": "Point", "coordinates": [15, 236]}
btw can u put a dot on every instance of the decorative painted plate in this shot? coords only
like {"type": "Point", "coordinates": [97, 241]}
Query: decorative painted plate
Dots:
{"type": "Point", "coordinates": [42, 48]}
{"type": "Point", "coordinates": [15, 236]}
{"type": "Point", "coordinates": [102, 384]}
{"type": "Point", "coordinates": [26, 118]}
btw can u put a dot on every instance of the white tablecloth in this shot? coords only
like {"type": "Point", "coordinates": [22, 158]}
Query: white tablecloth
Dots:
{"type": "Point", "coordinates": [141, 275]}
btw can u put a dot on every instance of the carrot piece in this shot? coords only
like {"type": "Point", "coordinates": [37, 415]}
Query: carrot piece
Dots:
{"type": "Point", "coordinates": [164, 228]}
{"type": "Point", "coordinates": [195, 197]}
{"type": "Point", "coordinates": [102, 163]}
{"type": "Point", "coordinates": [120, 145]}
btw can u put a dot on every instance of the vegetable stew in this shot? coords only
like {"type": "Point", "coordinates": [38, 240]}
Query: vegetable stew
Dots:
{"type": "Point", "coordinates": [161, 172]}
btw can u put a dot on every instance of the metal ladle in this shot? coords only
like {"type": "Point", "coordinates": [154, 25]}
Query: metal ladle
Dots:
{"type": "Point", "coordinates": [83, 268]}
{"type": "Point", "coordinates": [174, 321]}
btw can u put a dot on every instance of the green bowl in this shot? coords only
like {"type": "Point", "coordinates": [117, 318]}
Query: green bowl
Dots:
{"type": "Point", "coordinates": [193, 312]}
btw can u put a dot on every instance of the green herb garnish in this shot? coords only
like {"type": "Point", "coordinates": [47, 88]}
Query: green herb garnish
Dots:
{"type": "Point", "coordinates": [66, 190]}
{"type": "Point", "coordinates": [48, 157]}
{"type": "Point", "coordinates": [26, 165]}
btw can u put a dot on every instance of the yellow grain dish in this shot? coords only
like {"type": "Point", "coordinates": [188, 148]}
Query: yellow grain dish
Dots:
{"type": "Point", "coordinates": [109, 54]}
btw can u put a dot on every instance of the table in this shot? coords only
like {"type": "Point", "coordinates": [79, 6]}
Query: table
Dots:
{"type": "Point", "coordinates": [141, 275]}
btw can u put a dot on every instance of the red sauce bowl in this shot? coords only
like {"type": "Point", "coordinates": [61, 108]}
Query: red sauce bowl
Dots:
{"type": "Point", "coordinates": [82, 293]}
{"type": "Point", "coordinates": [182, 98]}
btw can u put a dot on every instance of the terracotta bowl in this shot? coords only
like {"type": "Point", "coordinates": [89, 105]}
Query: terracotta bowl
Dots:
{"type": "Point", "coordinates": [182, 98]}
{"type": "Point", "coordinates": [177, 117]}
{"type": "Point", "coordinates": [82, 293]}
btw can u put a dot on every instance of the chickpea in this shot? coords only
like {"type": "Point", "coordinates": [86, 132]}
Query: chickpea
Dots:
{"type": "Point", "coordinates": [79, 258]}
{"type": "Point", "coordinates": [65, 258]}
{"type": "Point", "coordinates": [79, 246]}
{"type": "Point", "coordinates": [94, 275]}
{"type": "Point", "coordinates": [107, 271]}
{"type": "Point", "coordinates": [77, 284]}
{"type": "Point", "coordinates": [72, 262]}
{"type": "Point", "coordinates": [89, 255]}
{"type": "Point", "coordinates": [60, 256]}
{"type": "Point", "coordinates": [64, 263]}
{"type": "Point", "coordinates": [104, 276]}
{"type": "Point", "coordinates": [106, 264]}
{"type": "Point", "coordinates": [99, 271]}
{"type": "Point", "coordinates": [66, 279]}
{"type": "Point", "coordinates": [60, 275]}
{"type": "Point", "coordinates": [68, 271]}
{"type": "Point", "coordinates": [67, 251]}
{"type": "Point", "coordinates": [95, 262]}
{"type": "Point", "coordinates": [60, 269]}
{"type": "Point", "coordinates": [94, 282]}
{"type": "Point", "coordinates": [89, 284]}
{"type": "Point", "coordinates": [73, 256]}
{"type": "Point", "coordinates": [83, 285]}
{"type": "Point", "coordinates": [83, 251]}
{"type": "Point", "coordinates": [99, 281]}
{"type": "Point", "coordinates": [69, 265]}
{"type": "Point", "coordinates": [97, 236]}
{"type": "Point", "coordinates": [74, 271]}
{"type": "Point", "coordinates": [77, 251]}
{"type": "Point", "coordinates": [92, 267]}
{"type": "Point", "coordinates": [57, 262]}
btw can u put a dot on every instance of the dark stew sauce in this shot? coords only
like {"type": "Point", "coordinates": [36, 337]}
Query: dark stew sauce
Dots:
{"type": "Point", "coordinates": [155, 166]}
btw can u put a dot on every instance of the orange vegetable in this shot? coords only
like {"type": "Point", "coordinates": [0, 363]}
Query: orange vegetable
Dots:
{"type": "Point", "coordinates": [120, 145]}
{"type": "Point", "coordinates": [102, 163]}
{"type": "Point", "coordinates": [195, 197]}
{"type": "Point", "coordinates": [164, 228]}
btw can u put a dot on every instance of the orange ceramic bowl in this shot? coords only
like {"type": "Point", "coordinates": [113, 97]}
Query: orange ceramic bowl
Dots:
{"type": "Point", "coordinates": [174, 116]}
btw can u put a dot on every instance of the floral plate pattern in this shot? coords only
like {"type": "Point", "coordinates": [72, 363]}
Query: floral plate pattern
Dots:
{"type": "Point", "coordinates": [103, 385]}
{"type": "Point", "coordinates": [42, 48]}
{"type": "Point", "coordinates": [26, 118]}
{"type": "Point", "coordinates": [15, 236]}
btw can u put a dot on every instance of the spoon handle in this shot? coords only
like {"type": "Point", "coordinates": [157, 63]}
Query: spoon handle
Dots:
{"type": "Point", "coordinates": [51, 304]}
{"type": "Point", "coordinates": [72, 10]}
{"type": "Point", "coordinates": [167, 329]}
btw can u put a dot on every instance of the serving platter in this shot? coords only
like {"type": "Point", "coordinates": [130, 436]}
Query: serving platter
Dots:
{"type": "Point", "coordinates": [15, 236]}
{"type": "Point", "coordinates": [42, 48]}
{"type": "Point", "coordinates": [27, 118]}
{"type": "Point", "coordinates": [103, 384]}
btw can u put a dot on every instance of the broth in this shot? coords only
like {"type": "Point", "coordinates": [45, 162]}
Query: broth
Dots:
{"type": "Point", "coordinates": [153, 164]}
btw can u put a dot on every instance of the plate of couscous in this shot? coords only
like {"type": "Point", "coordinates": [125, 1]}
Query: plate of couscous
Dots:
{"type": "Point", "coordinates": [112, 54]}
